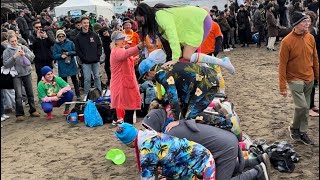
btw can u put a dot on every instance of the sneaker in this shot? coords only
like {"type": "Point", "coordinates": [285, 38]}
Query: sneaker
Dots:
{"type": "Point", "coordinates": [114, 122]}
{"type": "Point", "coordinates": [49, 116]}
{"type": "Point", "coordinates": [35, 114]}
{"type": "Point", "coordinates": [294, 134]}
{"type": "Point", "coordinates": [66, 112]}
{"type": "Point", "coordinates": [20, 118]}
{"type": "Point", "coordinates": [3, 119]}
{"type": "Point", "coordinates": [226, 50]}
{"type": "Point", "coordinates": [231, 48]}
{"type": "Point", "coordinates": [305, 139]}
{"type": "Point", "coordinates": [262, 172]}
{"type": "Point", "coordinates": [5, 116]}
{"type": "Point", "coordinates": [313, 114]}
{"type": "Point", "coordinates": [266, 160]}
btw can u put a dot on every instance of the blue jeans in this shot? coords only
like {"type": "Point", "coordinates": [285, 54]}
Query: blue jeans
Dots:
{"type": "Point", "coordinates": [87, 70]}
{"type": "Point", "coordinates": [18, 83]}
{"type": "Point", "coordinates": [48, 106]}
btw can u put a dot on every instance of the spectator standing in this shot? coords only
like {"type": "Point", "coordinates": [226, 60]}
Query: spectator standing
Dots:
{"type": "Point", "coordinates": [132, 38]}
{"type": "Point", "coordinates": [299, 67]}
{"type": "Point", "coordinates": [64, 52]}
{"type": "Point", "coordinates": [89, 50]}
{"type": "Point", "coordinates": [41, 46]}
{"type": "Point", "coordinates": [259, 21]}
{"type": "Point", "coordinates": [20, 57]}
{"type": "Point", "coordinates": [233, 26]}
{"type": "Point", "coordinates": [271, 26]}
{"type": "Point", "coordinates": [225, 29]}
{"type": "Point", "coordinates": [244, 27]}
{"type": "Point", "coordinates": [30, 19]}
{"type": "Point", "coordinates": [23, 25]}
{"type": "Point", "coordinates": [105, 35]}
{"type": "Point", "coordinates": [314, 110]}
{"type": "Point", "coordinates": [73, 33]}
{"type": "Point", "coordinates": [3, 115]}
{"type": "Point", "coordinates": [124, 86]}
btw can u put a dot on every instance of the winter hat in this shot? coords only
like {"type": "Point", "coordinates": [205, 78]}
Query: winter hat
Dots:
{"type": "Point", "coordinates": [45, 70]}
{"type": "Point", "coordinates": [297, 17]}
{"type": "Point", "coordinates": [126, 133]}
{"type": "Point", "coordinates": [60, 31]}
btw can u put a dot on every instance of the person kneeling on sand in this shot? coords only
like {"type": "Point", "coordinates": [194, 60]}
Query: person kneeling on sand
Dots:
{"type": "Point", "coordinates": [178, 158]}
{"type": "Point", "coordinates": [53, 91]}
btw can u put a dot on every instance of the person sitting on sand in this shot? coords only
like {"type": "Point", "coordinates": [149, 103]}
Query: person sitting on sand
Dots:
{"type": "Point", "coordinates": [53, 91]}
{"type": "Point", "coordinates": [178, 158]}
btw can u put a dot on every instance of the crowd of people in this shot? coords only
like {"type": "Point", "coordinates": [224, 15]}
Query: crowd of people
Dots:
{"type": "Point", "coordinates": [176, 52]}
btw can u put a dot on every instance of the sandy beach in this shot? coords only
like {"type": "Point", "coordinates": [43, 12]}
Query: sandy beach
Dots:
{"type": "Point", "coordinates": [39, 149]}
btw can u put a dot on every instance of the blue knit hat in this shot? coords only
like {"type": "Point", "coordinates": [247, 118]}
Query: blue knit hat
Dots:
{"type": "Point", "coordinates": [126, 133]}
{"type": "Point", "coordinates": [45, 70]}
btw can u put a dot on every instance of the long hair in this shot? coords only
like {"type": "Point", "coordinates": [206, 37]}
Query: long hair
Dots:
{"type": "Point", "coordinates": [150, 26]}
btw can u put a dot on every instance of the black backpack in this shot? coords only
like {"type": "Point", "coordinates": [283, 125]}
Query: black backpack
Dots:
{"type": "Point", "coordinates": [282, 156]}
{"type": "Point", "coordinates": [107, 114]}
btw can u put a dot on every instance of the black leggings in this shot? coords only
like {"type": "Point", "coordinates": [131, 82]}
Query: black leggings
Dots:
{"type": "Point", "coordinates": [313, 93]}
{"type": "Point", "coordinates": [225, 39]}
{"type": "Point", "coordinates": [128, 116]}
{"type": "Point", "coordinates": [75, 84]}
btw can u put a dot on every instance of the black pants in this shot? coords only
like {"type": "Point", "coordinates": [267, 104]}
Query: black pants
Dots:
{"type": "Point", "coordinates": [75, 84]}
{"type": "Point", "coordinates": [244, 36]}
{"type": "Point", "coordinates": [313, 93]}
{"type": "Point", "coordinates": [128, 117]}
{"type": "Point", "coordinates": [107, 68]}
{"type": "Point", "coordinates": [225, 39]}
{"type": "Point", "coordinates": [261, 34]}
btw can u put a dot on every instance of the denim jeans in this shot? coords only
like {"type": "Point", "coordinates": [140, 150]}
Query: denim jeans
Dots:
{"type": "Point", "coordinates": [87, 70]}
{"type": "Point", "coordinates": [18, 82]}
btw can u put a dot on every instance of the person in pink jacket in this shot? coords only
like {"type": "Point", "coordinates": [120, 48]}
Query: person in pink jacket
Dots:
{"type": "Point", "coordinates": [124, 87]}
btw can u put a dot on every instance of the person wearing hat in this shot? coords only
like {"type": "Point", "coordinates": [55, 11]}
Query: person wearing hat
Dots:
{"type": "Point", "coordinates": [123, 85]}
{"type": "Point", "coordinates": [53, 91]}
{"type": "Point", "coordinates": [20, 57]}
{"type": "Point", "coordinates": [189, 87]}
{"type": "Point", "coordinates": [132, 38]}
{"type": "Point", "coordinates": [64, 53]}
{"type": "Point", "coordinates": [177, 158]}
{"type": "Point", "coordinates": [299, 68]}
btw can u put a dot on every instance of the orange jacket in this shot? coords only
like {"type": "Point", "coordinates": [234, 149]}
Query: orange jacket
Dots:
{"type": "Point", "coordinates": [208, 45]}
{"type": "Point", "coordinates": [298, 59]}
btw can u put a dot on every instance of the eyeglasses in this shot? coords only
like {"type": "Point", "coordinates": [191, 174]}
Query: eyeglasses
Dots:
{"type": "Point", "coordinates": [60, 36]}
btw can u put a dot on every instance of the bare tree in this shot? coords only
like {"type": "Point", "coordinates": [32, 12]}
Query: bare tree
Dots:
{"type": "Point", "coordinates": [39, 5]}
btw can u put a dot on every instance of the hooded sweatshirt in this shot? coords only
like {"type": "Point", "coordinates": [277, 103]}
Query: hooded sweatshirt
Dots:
{"type": "Point", "coordinates": [23, 68]}
{"type": "Point", "coordinates": [88, 47]}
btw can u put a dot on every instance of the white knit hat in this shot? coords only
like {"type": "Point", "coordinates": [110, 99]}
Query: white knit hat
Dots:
{"type": "Point", "coordinates": [60, 31]}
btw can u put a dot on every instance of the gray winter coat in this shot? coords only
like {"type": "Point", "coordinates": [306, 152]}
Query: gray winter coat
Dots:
{"type": "Point", "coordinates": [9, 61]}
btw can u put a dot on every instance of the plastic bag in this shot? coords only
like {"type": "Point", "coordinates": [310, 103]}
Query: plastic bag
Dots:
{"type": "Point", "coordinates": [92, 117]}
